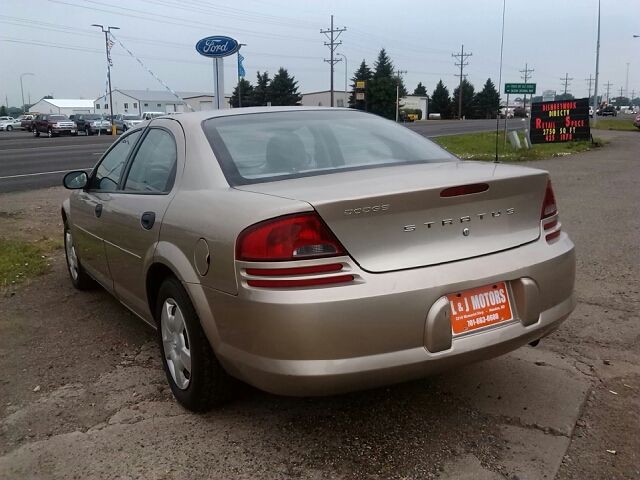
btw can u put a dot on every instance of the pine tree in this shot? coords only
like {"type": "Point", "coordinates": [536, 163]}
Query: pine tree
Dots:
{"type": "Point", "coordinates": [260, 95]}
{"type": "Point", "coordinates": [383, 87]}
{"type": "Point", "coordinates": [363, 73]}
{"type": "Point", "coordinates": [247, 97]}
{"type": "Point", "coordinates": [283, 89]}
{"type": "Point", "coordinates": [468, 100]}
{"type": "Point", "coordinates": [488, 101]}
{"type": "Point", "coordinates": [440, 101]}
{"type": "Point", "coordinates": [420, 89]}
{"type": "Point", "coordinates": [3, 111]}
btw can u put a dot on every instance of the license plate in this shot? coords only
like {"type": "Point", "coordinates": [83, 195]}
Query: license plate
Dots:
{"type": "Point", "coordinates": [479, 307]}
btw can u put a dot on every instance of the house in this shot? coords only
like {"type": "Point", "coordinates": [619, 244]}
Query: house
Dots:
{"type": "Point", "coordinates": [61, 105]}
{"type": "Point", "coordinates": [136, 102]}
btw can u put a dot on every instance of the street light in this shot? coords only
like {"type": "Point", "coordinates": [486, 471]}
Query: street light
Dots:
{"type": "Point", "coordinates": [22, 90]}
{"type": "Point", "coordinates": [106, 43]}
{"type": "Point", "coordinates": [345, 78]}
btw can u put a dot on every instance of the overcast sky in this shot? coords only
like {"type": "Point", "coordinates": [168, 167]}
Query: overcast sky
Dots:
{"type": "Point", "coordinates": [53, 40]}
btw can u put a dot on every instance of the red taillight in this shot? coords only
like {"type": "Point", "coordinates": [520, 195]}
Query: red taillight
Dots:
{"type": "Point", "coordinates": [306, 282]}
{"type": "Point", "coordinates": [294, 237]}
{"type": "Point", "coordinates": [549, 205]}
{"type": "Point", "coordinates": [270, 272]}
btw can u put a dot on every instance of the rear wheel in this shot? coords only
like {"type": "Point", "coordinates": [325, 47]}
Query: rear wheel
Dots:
{"type": "Point", "coordinates": [124, 128]}
{"type": "Point", "coordinates": [87, 130]}
{"type": "Point", "coordinates": [36, 133]}
{"type": "Point", "coordinates": [9, 128]}
{"type": "Point", "coordinates": [195, 375]}
{"type": "Point", "coordinates": [79, 277]}
{"type": "Point", "coordinates": [49, 132]}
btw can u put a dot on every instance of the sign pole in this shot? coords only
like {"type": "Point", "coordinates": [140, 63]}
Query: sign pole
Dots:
{"type": "Point", "coordinates": [506, 116]}
{"type": "Point", "coordinates": [218, 83]}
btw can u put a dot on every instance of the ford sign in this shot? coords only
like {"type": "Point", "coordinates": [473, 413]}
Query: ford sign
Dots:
{"type": "Point", "coordinates": [217, 46]}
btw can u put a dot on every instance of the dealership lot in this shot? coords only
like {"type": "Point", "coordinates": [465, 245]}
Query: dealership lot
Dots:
{"type": "Point", "coordinates": [103, 407]}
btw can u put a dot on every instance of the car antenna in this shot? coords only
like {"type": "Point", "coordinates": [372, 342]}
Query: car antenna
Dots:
{"type": "Point", "coordinates": [506, 111]}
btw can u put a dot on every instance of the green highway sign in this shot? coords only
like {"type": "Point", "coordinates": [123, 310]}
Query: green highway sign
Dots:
{"type": "Point", "coordinates": [523, 88]}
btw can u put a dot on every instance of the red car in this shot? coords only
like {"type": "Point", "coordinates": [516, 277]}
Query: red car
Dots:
{"type": "Point", "coordinates": [54, 125]}
{"type": "Point", "coordinates": [636, 122]}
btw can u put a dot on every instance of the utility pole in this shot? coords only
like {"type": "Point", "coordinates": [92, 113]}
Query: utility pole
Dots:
{"type": "Point", "coordinates": [626, 85]}
{"type": "Point", "coordinates": [621, 96]}
{"type": "Point", "coordinates": [332, 44]}
{"type": "Point", "coordinates": [590, 80]}
{"type": "Point", "coordinates": [566, 83]}
{"type": "Point", "coordinates": [22, 90]}
{"type": "Point", "coordinates": [595, 90]}
{"type": "Point", "coordinates": [608, 85]}
{"type": "Point", "coordinates": [6, 99]}
{"type": "Point", "coordinates": [461, 57]}
{"type": "Point", "coordinates": [106, 44]}
{"type": "Point", "coordinates": [526, 76]}
{"type": "Point", "coordinates": [398, 72]}
{"type": "Point", "coordinates": [633, 94]}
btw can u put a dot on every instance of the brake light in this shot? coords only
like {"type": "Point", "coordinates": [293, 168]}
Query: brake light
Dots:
{"type": "Point", "coordinates": [294, 237]}
{"type": "Point", "coordinates": [464, 190]}
{"type": "Point", "coordinates": [549, 207]}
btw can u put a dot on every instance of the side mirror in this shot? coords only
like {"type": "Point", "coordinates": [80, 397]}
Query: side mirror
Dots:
{"type": "Point", "coordinates": [75, 180]}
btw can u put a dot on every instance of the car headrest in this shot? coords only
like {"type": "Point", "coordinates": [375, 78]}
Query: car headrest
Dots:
{"type": "Point", "coordinates": [285, 153]}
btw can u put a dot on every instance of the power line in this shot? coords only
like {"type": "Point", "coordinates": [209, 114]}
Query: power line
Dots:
{"type": "Point", "coordinates": [526, 76]}
{"type": "Point", "coordinates": [608, 85]}
{"type": "Point", "coordinates": [332, 44]}
{"type": "Point", "coordinates": [461, 58]}
{"type": "Point", "coordinates": [590, 80]}
{"type": "Point", "coordinates": [566, 83]}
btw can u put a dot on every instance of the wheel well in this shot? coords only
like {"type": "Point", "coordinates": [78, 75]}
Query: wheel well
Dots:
{"type": "Point", "coordinates": [156, 275]}
{"type": "Point", "coordinates": [64, 216]}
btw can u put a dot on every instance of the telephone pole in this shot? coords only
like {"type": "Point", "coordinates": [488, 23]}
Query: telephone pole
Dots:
{"type": "Point", "coordinates": [590, 80]}
{"type": "Point", "coordinates": [608, 85]}
{"type": "Point", "coordinates": [332, 44]}
{"type": "Point", "coordinates": [626, 86]}
{"type": "Point", "coordinates": [461, 57]}
{"type": "Point", "coordinates": [633, 94]}
{"type": "Point", "coordinates": [566, 83]}
{"type": "Point", "coordinates": [398, 72]}
{"type": "Point", "coordinates": [526, 76]}
{"type": "Point", "coordinates": [107, 33]}
{"type": "Point", "coordinates": [621, 96]}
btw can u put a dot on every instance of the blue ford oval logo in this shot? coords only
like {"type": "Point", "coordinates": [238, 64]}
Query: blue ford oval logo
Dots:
{"type": "Point", "coordinates": [217, 46]}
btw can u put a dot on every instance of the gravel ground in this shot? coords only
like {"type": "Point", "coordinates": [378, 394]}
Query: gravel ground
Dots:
{"type": "Point", "coordinates": [103, 409]}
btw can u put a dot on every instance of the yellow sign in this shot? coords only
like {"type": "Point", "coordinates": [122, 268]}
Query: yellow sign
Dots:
{"type": "Point", "coordinates": [359, 83]}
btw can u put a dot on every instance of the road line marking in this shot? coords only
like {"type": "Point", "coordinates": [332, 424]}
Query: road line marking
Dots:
{"type": "Point", "coordinates": [54, 146]}
{"type": "Point", "coordinates": [43, 173]}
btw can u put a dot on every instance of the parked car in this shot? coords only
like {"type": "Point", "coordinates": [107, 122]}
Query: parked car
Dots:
{"type": "Point", "coordinates": [54, 125]}
{"type": "Point", "coordinates": [636, 122]}
{"type": "Point", "coordinates": [92, 123]}
{"type": "Point", "coordinates": [266, 246]}
{"type": "Point", "coordinates": [9, 125]}
{"type": "Point", "coordinates": [5, 119]}
{"type": "Point", "coordinates": [150, 115]}
{"type": "Point", "coordinates": [590, 111]}
{"type": "Point", "coordinates": [26, 121]}
{"type": "Point", "coordinates": [404, 117]}
{"type": "Point", "coordinates": [124, 122]}
{"type": "Point", "coordinates": [609, 111]}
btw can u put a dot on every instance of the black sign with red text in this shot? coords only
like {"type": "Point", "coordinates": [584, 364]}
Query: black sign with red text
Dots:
{"type": "Point", "coordinates": [560, 121]}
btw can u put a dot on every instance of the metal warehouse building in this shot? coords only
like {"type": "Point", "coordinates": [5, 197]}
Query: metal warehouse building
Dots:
{"type": "Point", "coordinates": [64, 106]}
{"type": "Point", "coordinates": [136, 102]}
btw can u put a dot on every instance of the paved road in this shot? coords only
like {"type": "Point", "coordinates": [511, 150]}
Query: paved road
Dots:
{"type": "Point", "coordinates": [28, 163]}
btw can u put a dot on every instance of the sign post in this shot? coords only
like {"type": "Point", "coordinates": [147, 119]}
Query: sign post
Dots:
{"type": "Point", "coordinates": [217, 48]}
{"type": "Point", "coordinates": [518, 88]}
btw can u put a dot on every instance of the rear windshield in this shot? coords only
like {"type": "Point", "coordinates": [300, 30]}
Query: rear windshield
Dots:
{"type": "Point", "coordinates": [93, 117]}
{"type": "Point", "coordinates": [131, 117]}
{"type": "Point", "coordinates": [58, 117]}
{"type": "Point", "coordinates": [262, 147]}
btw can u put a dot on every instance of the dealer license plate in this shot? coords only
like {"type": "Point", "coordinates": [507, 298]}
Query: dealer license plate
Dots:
{"type": "Point", "coordinates": [479, 307]}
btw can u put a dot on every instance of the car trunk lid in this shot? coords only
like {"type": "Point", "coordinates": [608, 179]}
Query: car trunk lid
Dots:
{"type": "Point", "coordinates": [396, 218]}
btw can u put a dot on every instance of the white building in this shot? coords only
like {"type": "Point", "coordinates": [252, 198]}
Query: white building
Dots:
{"type": "Point", "coordinates": [323, 99]}
{"type": "Point", "coordinates": [64, 106]}
{"type": "Point", "coordinates": [136, 102]}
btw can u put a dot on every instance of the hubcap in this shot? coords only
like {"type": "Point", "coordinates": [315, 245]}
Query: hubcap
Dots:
{"type": "Point", "coordinates": [72, 258]}
{"type": "Point", "coordinates": [176, 344]}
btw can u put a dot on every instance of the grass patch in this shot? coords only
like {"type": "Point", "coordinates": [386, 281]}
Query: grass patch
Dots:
{"type": "Point", "coordinates": [608, 124]}
{"type": "Point", "coordinates": [22, 260]}
{"type": "Point", "coordinates": [482, 146]}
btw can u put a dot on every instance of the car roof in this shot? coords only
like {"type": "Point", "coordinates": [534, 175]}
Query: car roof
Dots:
{"type": "Point", "coordinates": [195, 118]}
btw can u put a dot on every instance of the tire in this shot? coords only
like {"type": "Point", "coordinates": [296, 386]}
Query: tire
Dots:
{"type": "Point", "coordinates": [206, 384]}
{"type": "Point", "coordinates": [36, 133]}
{"type": "Point", "coordinates": [87, 130]}
{"type": "Point", "coordinates": [79, 277]}
{"type": "Point", "coordinates": [9, 128]}
{"type": "Point", "coordinates": [50, 133]}
{"type": "Point", "coordinates": [124, 128]}
{"type": "Point", "coordinates": [75, 134]}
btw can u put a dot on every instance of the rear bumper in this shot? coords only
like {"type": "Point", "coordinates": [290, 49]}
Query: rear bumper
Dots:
{"type": "Point", "coordinates": [372, 332]}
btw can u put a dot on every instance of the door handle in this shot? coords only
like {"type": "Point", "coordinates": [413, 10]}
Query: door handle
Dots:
{"type": "Point", "coordinates": [147, 220]}
{"type": "Point", "coordinates": [98, 210]}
